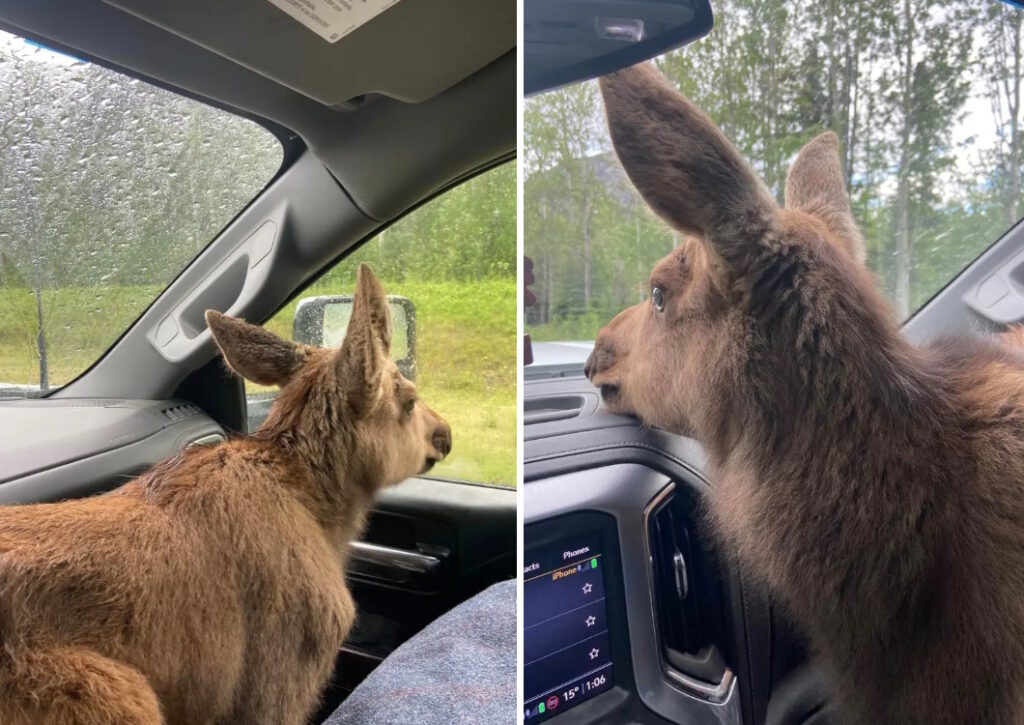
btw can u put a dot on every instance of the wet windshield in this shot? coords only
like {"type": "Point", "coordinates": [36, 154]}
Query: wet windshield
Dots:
{"type": "Point", "coordinates": [109, 187]}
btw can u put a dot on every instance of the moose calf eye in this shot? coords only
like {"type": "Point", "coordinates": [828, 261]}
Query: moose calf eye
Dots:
{"type": "Point", "coordinates": [658, 298]}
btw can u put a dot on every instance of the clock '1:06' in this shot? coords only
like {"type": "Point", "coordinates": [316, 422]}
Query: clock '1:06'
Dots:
{"type": "Point", "coordinates": [593, 683]}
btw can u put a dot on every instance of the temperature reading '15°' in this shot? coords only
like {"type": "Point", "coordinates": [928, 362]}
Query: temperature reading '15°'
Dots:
{"type": "Point", "coordinates": [571, 693]}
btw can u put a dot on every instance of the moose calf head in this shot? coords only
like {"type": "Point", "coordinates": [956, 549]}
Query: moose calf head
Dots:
{"type": "Point", "coordinates": [348, 407]}
{"type": "Point", "coordinates": [668, 360]}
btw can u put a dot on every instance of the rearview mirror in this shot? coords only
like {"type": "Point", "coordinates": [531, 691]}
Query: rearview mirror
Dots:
{"type": "Point", "coordinates": [322, 321]}
{"type": "Point", "coordinates": [572, 40]}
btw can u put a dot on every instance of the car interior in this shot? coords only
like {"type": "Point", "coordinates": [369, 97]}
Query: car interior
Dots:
{"type": "Point", "coordinates": [615, 544]}
{"type": "Point", "coordinates": [373, 125]}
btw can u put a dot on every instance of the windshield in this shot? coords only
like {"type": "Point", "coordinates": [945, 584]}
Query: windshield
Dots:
{"type": "Point", "coordinates": [927, 112]}
{"type": "Point", "coordinates": [109, 187]}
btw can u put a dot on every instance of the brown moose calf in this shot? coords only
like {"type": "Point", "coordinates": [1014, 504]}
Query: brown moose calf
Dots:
{"type": "Point", "coordinates": [210, 589]}
{"type": "Point", "coordinates": [877, 487]}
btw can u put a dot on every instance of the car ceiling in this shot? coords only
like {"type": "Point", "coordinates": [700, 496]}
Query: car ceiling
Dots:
{"type": "Point", "coordinates": [419, 96]}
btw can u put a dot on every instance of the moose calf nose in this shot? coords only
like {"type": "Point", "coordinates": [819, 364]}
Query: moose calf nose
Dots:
{"type": "Point", "coordinates": [600, 358]}
{"type": "Point", "coordinates": [442, 440]}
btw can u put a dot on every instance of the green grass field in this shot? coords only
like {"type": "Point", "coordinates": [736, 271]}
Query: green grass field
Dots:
{"type": "Point", "coordinates": [81, 323]}
{"type": "Point", "coordinates": [466, 367]}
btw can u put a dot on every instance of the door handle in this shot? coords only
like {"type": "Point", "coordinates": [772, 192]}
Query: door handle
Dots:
{"type": "Point", "coordinates": [392, 558]}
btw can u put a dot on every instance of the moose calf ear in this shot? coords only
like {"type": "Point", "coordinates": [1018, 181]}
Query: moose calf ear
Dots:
{"type": "Point", "coordinates": [253, 352]}
{"type": "Point", "coordinates": [367, 343]}
{"type": "Point", "coordinates": [815, 186]}
{"type": "Point", "coordinates": [682, 165]}
{"type": "Point", "coordinates": [372, 291]}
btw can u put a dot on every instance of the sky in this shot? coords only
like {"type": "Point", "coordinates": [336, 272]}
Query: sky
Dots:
{"type": "Point", "coordinates": [41, 54]}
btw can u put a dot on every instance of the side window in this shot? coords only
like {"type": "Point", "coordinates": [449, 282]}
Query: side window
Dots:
{"type": "Point", "coordinates": [451, 264]}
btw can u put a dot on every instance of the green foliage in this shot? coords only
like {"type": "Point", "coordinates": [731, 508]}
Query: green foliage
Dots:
{"type": "Point", "coordinates": [581, 327]}
{"type": "Point", "coordinates": [467, 233]}
{"type": "Point", "coordinates": [930, 186]}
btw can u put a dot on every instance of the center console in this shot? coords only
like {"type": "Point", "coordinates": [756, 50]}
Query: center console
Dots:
{"type": "Point", "coordinates": [625, 618]}
{"type": "Point", "coordinates": [572, 614]}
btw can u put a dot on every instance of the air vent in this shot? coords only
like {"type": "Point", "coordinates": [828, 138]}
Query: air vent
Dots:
{"type": "Point", "coordinates": [547, 409]}
{"type": "Point", "coordinates": [180, 412]}
{"type": "Point", "coordinates": [688, 600]}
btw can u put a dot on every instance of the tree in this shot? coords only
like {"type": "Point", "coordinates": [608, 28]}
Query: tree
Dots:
{"type": "Point", "coordinates": [931, 59]}
{"type": "Point", "coordinates": [563, 131]}
{"type": "Point", "coordinates": [1001, 59]}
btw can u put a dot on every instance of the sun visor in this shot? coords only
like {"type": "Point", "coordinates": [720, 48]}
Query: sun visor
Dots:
{"type": "Point", "coordinates": [337, 51]}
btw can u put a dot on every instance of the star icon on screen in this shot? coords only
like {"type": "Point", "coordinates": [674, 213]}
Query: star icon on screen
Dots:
{"type": "Point", "coordinates": [594, 653]}
{"type": "Point", "coordinates": [591, 620]}
{"type": "Point", "coordinates": [587, 587]}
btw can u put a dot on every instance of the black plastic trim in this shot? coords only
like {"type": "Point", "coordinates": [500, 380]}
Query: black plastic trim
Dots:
{"type": "Point", "coordinates": [703, 21]}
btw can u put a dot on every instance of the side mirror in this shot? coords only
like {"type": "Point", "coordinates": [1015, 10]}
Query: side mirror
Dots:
{"type": "Point", "coordinates": [566, 41]}
{"type": "Point", "coordinates": [322, 321]}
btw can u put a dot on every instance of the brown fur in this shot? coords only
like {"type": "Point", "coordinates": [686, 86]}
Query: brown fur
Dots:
{"type": "Point", "coordinates": [211, 589]}
{"type": "Point", "coordinates": [875, 486]}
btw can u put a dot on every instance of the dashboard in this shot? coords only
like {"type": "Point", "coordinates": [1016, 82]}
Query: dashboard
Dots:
{"type": "Point", "coordinates": [70, 447]}
{"type": "Point", "coordinates": [567, 655]}
{"type": "Point", "coordinates": [630, 615]}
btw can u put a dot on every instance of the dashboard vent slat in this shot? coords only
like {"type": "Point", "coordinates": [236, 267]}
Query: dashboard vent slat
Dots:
{"type": "Point", "coordinates": [175, 413]}
{"type": "Point", "coordinates": [688, 598]}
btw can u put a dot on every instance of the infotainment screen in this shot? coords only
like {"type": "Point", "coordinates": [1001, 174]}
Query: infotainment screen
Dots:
{"type": "Point", "coordinates": [566, 640]}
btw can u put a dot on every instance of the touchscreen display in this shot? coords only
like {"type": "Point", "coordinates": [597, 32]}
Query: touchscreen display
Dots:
{"type": "Point", "coordinates": [566, 643]}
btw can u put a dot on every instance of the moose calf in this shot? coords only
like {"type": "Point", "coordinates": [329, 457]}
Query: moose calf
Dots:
{"type": "Point", "coordinates": [211, 588]}
{"type": "Point", "coordinates": [877, 487]}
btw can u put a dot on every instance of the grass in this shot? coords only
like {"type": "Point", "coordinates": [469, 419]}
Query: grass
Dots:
{"type": "Point", "coordinates": [81, 323]}
{"type": "Point", "coordinates": [466, 334]}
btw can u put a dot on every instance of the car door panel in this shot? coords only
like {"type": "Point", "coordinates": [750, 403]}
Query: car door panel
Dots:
{"type": "Point", "coordinates": [471, 529]}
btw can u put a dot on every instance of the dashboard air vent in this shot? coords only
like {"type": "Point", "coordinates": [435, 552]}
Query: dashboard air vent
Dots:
{"type": "Point", "coordinates": [180, 412]}
{"type": "Point", "coordinates": [688, 599]}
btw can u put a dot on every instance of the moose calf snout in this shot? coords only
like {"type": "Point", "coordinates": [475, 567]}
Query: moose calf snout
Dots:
{"type": "Point", "coordinates": [442, 439]}
{"type": "Point", "coordinates": [600, 358]}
